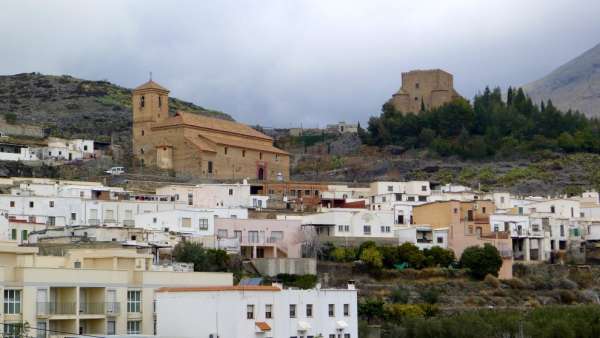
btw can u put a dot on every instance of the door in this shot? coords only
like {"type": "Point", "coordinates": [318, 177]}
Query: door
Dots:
{"type": "Point", "coordinates": [42, 301]}
{"type": "Point", "coordinates": [111, 300]}
{"type": "Point", "coordinates": [111, 327]}
{"type": "Point", "coordinates": [261, 174]}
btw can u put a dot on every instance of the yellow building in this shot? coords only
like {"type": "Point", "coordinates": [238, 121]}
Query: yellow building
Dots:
{"type": "Point", "coordinates": [100, 291]}
{"type": "Point", "coordinates": [198, 145]}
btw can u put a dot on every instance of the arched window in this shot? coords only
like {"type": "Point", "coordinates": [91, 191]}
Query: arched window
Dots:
{"type": "Point", "coordinates": [160, 101]}
{"type": "Point", "coordinates": [142, 101]}
{"type": "Point", "coordinates": [260, 156]}
{"type": "Point", "coordinates": [243, 153]}
{"type": "Point", "coordinates": [142, 151]}
{"type": "Point", "coordinates": [142, 132]}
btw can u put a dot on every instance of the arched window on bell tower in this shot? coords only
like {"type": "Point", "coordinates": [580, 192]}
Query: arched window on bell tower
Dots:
{"type": "Point", "coordinates": [142, 101]}
{"type": "Point", "coordinates": [160, 101]}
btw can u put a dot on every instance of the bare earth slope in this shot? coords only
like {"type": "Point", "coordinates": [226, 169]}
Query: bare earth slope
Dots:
{"type": "Point", "coordinates": [574, 85]}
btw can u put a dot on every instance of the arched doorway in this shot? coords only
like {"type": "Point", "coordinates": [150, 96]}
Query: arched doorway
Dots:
{"type": "Point", "coordinates": [261, 174]}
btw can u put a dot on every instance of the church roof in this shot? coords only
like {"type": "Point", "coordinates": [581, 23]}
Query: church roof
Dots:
{"type": "Point", "coordinates": [151, 85]}
{"type": "Point", "coordinates": [205, 122]}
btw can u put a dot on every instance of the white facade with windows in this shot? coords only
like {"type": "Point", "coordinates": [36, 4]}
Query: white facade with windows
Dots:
{"type": "Point", "coordinates": [194, 222]}
{"type": "Point", "coordinates": [352, 223]}
{"type": "Point", "coordinates": [257, 311]}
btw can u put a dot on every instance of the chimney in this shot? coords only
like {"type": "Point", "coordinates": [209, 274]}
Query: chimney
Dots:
{"type": "Point", "coordinates": [351, 285]}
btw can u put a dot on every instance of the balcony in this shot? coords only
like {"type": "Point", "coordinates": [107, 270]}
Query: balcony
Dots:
{"type": "Point", "coordinates": [129, 223]}
{"type": "Point", "coordinates": [55, 308]}
{"type": "Point", "coordinates": [104, 308]}
{"type": "Point", "coordinates": [93, 221]}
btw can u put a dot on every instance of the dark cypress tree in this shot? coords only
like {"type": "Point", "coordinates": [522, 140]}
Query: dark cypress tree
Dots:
{"type": "Point", "coordinates": [509, 96]}
{"type": "Point", "coordinates": [542, 106]}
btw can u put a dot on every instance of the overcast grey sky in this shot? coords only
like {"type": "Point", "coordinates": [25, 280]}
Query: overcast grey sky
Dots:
{"type": "Point", "coordinates": [287, 62]}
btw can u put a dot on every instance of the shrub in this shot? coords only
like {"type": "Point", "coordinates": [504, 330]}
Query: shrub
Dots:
{"type": "Point", "coordinates": [211, 260]}
{"type": "Point", "coordinates": [481, 260]}
{"type": "Point", "coordinates": [430, 295]}
{"type": "Point", "coordinates": [410, 253]}
{"type": "Point", "coordinates": [372, 258]}
{"type": "Point", "coordinates": [371, 308]}
{"type": "Point", "coordinates": [400, 295]}
{"type": "Point", "coordinates": [567, 296]}
{"type": "Point", "coordinates": [492, 281]}
{"type": "Point", "coordinates": [397, 312]}
{"type": "Point", "coordinates": [440, 256]}
{"type": "Point", "coordinates": [298, 281]}
{"type": "Point", "coordinates": [515, 283]}
{"type": "Point", "coordinates": [341, 254]}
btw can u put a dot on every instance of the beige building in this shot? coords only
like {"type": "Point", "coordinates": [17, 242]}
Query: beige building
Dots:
{"type": "Point", "coordinates": [428, 88]}
{"type": "Point", "coordinates": [94, 292]}
{"type": "Point", "coordinates": [198, 145]}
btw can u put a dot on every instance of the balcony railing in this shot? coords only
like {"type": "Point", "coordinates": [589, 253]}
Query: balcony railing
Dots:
{"type": "Point", "coordinates": [108, 308]}
{"type": "Point", "coordinates": [424, 240]}
{"type": "Point", "coordinates": [112, 308]}
{"type": "Point", "coordinates": [93, 221]}
{"type": "Point", "coordinates": [55, 308]}
{"type": "Point", "coordinates": [129, 222]}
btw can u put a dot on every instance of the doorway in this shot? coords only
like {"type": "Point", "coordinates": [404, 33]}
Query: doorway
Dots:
{"type": "Point", "coordinates": [261, 173]}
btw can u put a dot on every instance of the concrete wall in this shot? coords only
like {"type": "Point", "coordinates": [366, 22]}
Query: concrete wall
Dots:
{"type": "Point", "coordinates": [274, 266]}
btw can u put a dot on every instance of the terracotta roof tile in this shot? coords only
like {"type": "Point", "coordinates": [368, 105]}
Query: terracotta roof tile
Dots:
{"type": "Point", "coordinates": [263, 326]}
{"type": "Point", "coordinates": [242, 143]}
{"type": "Point", "coordinates": [220, 288]}
{"type": "Point", "coordinates": [211, 123]}
{"type": "Point", "coordinates": [151, 85]}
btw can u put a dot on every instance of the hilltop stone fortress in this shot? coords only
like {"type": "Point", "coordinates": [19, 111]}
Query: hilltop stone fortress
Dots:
{"type": "Point", "coordinates": [200, 146]}
{"type": "Point", "coordinates": [431, 88]}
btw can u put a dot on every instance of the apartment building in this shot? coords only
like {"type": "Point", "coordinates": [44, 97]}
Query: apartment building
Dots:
{"type": "Point", "coordinates": [214, 195]}
{"type": "Point", "coordinates": [257, 311]}
{"type": "Point", "coordinates": [87, 292]}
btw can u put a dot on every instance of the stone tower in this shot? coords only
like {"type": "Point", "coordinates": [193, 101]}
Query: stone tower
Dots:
{"type": "Point", "coordinates": [429, 88]}
{"type": "Point", "coordinates": [150, 105]}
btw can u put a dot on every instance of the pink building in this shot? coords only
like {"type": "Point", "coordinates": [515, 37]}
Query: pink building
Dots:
{"type": "Point", "coordinates": [263, 238]}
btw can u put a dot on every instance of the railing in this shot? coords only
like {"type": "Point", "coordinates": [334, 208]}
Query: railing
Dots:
{"type": "Point", "coordinates": [54, 308]}
{"type": "Point", "coordinates": [110, 220]}
{"type": "Point", "coordinates": [91, 308]}
{"type": "Point", "coordinates": [93, 221]}
{"type": "Point", "coordinates": [129, 222]}
{"type": "Point", "coordinates": [112, 308]}
{"type": "Point", "coordinates": [424, 240]}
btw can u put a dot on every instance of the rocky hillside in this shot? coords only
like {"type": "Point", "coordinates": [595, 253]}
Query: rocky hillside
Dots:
{"type": "Point", "coordinates": [574, 85]}
{"type": "Point", "coordinates": [74, 107]}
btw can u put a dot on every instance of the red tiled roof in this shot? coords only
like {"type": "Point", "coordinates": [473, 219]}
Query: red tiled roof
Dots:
{"type": "Point", "coordinates": [263, 326]}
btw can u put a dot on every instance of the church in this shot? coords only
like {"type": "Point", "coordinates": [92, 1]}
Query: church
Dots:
{"type": "Point", "coordinates": [200, 146]}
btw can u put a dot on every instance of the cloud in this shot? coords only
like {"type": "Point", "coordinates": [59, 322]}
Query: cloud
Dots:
{"type": "Point", "coordinates": [287, 62]}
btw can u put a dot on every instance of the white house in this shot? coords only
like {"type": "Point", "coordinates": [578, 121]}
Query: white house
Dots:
{"type": "Point", "coordinates": [256, 311]}
{"type": "Point", "coordinates": [214, 195]}
{"type": "Point", "coordinates": [193, 222]}
{"type": "Point", "coordinates": [352, 225]}
{"type": "Point", "coordinates": [423, 236]}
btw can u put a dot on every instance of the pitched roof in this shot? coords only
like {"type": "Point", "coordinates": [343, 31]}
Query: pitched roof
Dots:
{"type": "Point", "coordinates": [263, 326]}
{"type": "Point", "coordinates": [151, 85]}
{"type": "Point", "coordinates": [205, 122]}
{"type": "Point", "coordinates": [220, 288]}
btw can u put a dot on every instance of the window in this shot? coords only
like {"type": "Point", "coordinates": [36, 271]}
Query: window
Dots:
{"type": "Point", "coordinates": [243, 153]}
{"type": "Point", "coordinates": [306, 192]}
{"type": "Point", "coordinates": [562, 230]}
{"type": "Point", "coordinates": [186, 222]}
{"type": "Point", "coordinates": [142, 101]}
{"type": "Point", "coordinates": [346, 335]}
{"type": "Point", "coordinates": [225, 150]}
{"type": "Point", "coordinates": [367, 229]}
{"type": "Point", "coordinates": [340, 228]}
{"type": "Point", "coordinates": [111, 327]}
{"type": "Point", "coordinates": [417, 85]}
{"type": "Point", "coordinates": [12, 301]}
{"type": "Point", "coordinates": [160, 101]}
{"type": "Point", "coordinates": [12, 330]}
{"type": "Point", "coordinates": [133, 327]}
{"type": "Point", "coordinates": [260, 156]}
{"type": "Point", "coordinates": [483, 210]}
{"type": "Point", "coordinates": [332, 336]}
{"type": "Point", "coordinates": [41, 329]}
{"type": "Point", "coordinates": [383, 199]}
{"type": "Point", "coordinates": [142, 132]}
{"type": "Point", "coordinates": [346, 310]}
{"type": "Point", "coordinates": [440, 240]}
{"type": "Point", "coordinates": [346, 228]}
{"type": "Point", "coordinates": [222, 233]}
{"type": "Point", "coordinates": [276, 157]}
{"type": "Point", "coordinates": [422, 198]}
{"type": "Point", "coordinates": [73, 216]}
{"type": "Point", "coordinates": [24, 235]}
{"type": "Point", "coordinates": [31, 204]}
{"type": "Point", "coordinates": [276, 236]}
{"type": "Point", "coordinates": [210, 167]}
{"type": "Point", "coordinates": [253, 236]}
{"type": "Point", "coordinates": [390, 188]}
{"type": "Point", "coordinates": [12, 204]}
{"type": "Point", "coordinates": [203, 224]}
{"type": "Point", "coordinates": [309, 310]}
{"type": "Point", "coordinates": [552, 209]}
{"type": "Point", "coordinates": [423, 188]}
{"type": "Point", "coordinates": [331, 310]}
{"type": "Point", "coordinates": [230, 192]}
{"type": "Point", "coordinates": [317, 193]}
{"type": "Point", "coordinates": [292, 310]}
{"type": "Point", "coordinates": [154, 220]}
{"type": "Point", "coordinates": [13, 234]}
{"type": "Point", "coordinates": [410, 198]}
{"type": "Point", "coordinates": [249, 311]}
{"type": "Point", "coordinates": [190, 199]}
{"type": "Point", "coordinates": [134, 302]}
{"type": "Point", "coordinates": [269, 311]}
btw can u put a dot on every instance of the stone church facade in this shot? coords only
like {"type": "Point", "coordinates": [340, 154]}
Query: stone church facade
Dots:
{"type": "Point", "coordinates": [429, 88]}
{"type": "Point", "coordinates": [198, 145]}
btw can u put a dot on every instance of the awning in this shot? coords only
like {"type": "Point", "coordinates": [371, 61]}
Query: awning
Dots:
{"type": "Point", "coordinates": [303, 326]}
{"type": "Point", "coordinates": [340, 324]}
{"type": "Point", "coordinates": [262, 326]}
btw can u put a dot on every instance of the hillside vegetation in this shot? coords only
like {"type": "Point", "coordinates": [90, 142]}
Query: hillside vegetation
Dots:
{"type": "Point", "coordinates": [490, 127]}
{"type": "Point", "coordinates": [74, 107]}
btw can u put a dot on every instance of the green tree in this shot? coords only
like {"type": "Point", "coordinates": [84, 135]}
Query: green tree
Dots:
{"type": "Point", "coordinates": [10, 118]}
{"type": "Point", "coordinates": [372, 258]}
{"type": "Point", "coordinates": [211, 260]}
{"type": "Point", "coordinates": [481, 260]}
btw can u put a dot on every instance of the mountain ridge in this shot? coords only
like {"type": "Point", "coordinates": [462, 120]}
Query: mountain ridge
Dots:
{"type": "Point", "coordinates": [575, 85]}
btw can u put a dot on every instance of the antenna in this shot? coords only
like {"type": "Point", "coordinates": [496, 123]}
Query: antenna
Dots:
{"type": "Point", "coordinates": [150, 76]}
